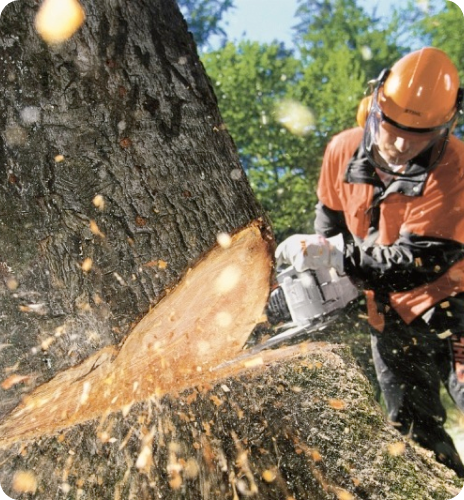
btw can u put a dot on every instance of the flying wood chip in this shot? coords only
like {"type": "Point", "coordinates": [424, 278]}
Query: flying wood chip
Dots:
{"type": "Point", "coordinates": [58, 20]}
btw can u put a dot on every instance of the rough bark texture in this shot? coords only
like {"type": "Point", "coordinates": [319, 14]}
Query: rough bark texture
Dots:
{"type": "Point", "coordinates": [124, 111]}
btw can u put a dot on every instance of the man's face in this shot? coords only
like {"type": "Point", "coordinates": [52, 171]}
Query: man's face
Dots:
{"type": "Point", "coordinates": [397, 146]}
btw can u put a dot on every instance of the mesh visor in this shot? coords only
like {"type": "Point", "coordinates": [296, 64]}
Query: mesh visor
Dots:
{"type": "Point", "coordinates": [389, 145]}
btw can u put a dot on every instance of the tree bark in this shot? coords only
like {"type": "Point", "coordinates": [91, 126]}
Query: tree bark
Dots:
{"type": "Point", "coordinates": [123, 112]}
{"type": "Point", "coordinates": [117, 176]}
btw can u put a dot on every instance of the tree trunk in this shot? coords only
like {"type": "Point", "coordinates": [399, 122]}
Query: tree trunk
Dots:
{"type": "Point", "coordinates": [118, 310]}
{"type": "Point", "coordinates": [112, 150]}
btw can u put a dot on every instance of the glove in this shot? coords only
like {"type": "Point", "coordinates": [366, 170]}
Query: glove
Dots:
{"type": "Point", "coordinates": [311, 251]}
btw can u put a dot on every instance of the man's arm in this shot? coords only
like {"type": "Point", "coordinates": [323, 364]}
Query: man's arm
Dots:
{"type": "Point", "coordinates": [329, 222]}
{"type": "Point", "coordinates": [410, 262]}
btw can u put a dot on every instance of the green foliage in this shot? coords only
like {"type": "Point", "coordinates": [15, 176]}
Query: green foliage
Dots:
{"type": "Point", "coordinates": [250, 80]}
{"type": "Point", "coordinates": [204, 19]}
{"type": "Point", "coordinates": [341, 51]}
{"type": "Point", "coordinates": [328, 26]}
{"type": "Point", "coordinates": [444, 30]}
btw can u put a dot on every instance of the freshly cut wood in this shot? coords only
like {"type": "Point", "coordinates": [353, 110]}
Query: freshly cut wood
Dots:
{"type": "Point", "coordinates": [203, 322]}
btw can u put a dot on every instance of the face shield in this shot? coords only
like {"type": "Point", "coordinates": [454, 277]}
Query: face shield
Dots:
{"type": "Point", "coordinates": [392, 147]}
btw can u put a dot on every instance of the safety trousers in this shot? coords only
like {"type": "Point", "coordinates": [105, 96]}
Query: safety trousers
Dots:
{"type": "Point", "coordinates": [411, 361]}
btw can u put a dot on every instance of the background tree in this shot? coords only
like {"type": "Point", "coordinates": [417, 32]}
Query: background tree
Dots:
{"type": "Point", "coordinates": [252, 83]}
{"type": "Point", "coordinates": [204, 18]}
{"type": "Point", "coordinates": [336, 54]}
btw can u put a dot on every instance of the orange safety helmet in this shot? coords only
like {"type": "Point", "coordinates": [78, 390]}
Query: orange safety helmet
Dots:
{"type": "Point", "coordinates": [418, 97]}
{"type": "Point", "coordinates": [420, 91]}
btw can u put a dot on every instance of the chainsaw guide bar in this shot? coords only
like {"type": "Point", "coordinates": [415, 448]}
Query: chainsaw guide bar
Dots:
{"type": "Point", "coordinates": [290, 333]}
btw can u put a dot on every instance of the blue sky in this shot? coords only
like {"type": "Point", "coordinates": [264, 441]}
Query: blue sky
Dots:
{"type": "Point", "coordinates": [266, 20]}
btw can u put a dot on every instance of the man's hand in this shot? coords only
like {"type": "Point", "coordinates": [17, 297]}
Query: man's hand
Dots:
{"type": "Point", "coordinates": [309, 251]}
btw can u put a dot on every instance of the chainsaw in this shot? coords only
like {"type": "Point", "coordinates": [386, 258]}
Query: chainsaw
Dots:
{"type": "Point", "coordinates": [306, 302]}
{"type": "Point", "coordinates": [301, 304]}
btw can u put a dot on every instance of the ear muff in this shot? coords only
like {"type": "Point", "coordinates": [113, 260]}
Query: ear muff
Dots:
{"type": "Point", "coordinates": [459, 108]}
{"type": "Point", "coordinates": [459, 99]}
{"type": "Point", "coordinates": [364, 109]}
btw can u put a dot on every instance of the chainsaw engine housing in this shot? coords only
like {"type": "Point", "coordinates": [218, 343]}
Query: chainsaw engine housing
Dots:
{"type": "Point", "coordinates": [301, 298]}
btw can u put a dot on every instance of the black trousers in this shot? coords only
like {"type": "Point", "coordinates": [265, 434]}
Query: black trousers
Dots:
{"type": "Point", "coordinates": [410, 362]}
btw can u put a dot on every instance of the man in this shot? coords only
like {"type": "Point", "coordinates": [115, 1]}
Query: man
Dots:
{"type": "Point", "coordinates": [394, 189]}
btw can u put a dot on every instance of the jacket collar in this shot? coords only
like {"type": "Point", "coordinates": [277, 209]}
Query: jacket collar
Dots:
{"type": "Point", "coordinates": [361, 171]}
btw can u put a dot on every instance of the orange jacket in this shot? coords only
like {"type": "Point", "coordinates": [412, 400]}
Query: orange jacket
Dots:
{"type": "Point", "coordinates": [414, 215]}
